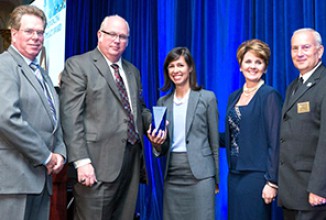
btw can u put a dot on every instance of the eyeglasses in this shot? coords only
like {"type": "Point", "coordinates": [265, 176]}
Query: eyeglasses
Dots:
{"type": "Point", "coordinates": [31, 32]}
{"type": "Point", "coordinates": [114, 36]}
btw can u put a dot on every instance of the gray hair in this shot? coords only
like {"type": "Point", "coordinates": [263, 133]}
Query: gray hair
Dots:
{"type": "Point", "coordinates": [315, 33]}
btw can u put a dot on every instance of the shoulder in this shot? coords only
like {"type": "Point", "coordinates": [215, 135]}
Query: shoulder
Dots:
{"type": "Point", "coordinates": [270, 97]}
{"type": "Point", "coordinates": [235, 94]}
{"type": "Point", "coordinates": [85, 57]}
{"type": "Point", "coordinates": [129, 66]}
{"type": "Point", "coordinates": [5, 57]}
{"type": "Point", "coordinates": [207, 95]}
{"type": "Point", "coordinates": [165, 98]}
{"type": "Point", "coordinates": [267, 90]}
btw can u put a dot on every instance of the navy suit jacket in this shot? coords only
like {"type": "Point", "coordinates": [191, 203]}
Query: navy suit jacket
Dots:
{"type": "Point", "coordinates": [259, 133]}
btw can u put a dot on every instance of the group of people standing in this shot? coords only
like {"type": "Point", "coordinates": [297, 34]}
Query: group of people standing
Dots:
{"type": "Point", "coordinates": [275, 148]}
{"type": "Point", "coordinates": [271, 150]}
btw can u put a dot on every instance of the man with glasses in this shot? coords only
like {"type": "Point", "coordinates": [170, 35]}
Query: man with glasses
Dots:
{"type": "Point", "coordinates": [104, 119]}
{"type": "Point", "coordinates": [302, 169]}
{"type": "Point", "coordinates": [31, 144]}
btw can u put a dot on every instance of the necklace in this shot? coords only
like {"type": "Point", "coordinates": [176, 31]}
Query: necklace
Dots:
{"type": "Point", "coordinates": [179, 101]}
{"type": "Point", "coordinates": [250, 91]}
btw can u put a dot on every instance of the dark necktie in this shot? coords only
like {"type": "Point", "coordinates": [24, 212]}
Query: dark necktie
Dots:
{"type": "Point", "coordinates": [46, 90]}
{"type": "Point", "coordinates": [132, 134]}
{"type": "Point", "coordinates": [297, 85]}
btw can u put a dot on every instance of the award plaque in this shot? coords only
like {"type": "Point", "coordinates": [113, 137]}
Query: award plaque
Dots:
{"type": "Point", "coordinates": [158, 118]}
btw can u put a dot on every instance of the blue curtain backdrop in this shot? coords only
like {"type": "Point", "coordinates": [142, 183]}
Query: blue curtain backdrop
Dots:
{"type": "Point", "coordinates": [212, 30]}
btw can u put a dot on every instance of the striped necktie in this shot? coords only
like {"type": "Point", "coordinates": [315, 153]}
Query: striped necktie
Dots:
{"type": "Point", "coordinates": [46, 90]}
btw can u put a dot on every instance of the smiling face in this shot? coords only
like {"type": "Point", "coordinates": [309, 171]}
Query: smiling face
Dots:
{"type": "Point", "coordinates": [179, 72]}
{"type": "Point", "coordinates": [252, 67]}
{"type": "Point", "coordinates": [305, 51]}
{"type": "Point", "coordinates": [28, 40]}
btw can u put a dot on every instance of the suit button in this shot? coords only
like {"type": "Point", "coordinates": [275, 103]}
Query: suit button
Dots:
{"type": "Point", "coordinates": [187, 142]}
{"type": "Point", "coordinates": [285, 118]}
{"type": "Point", "coordinates": [282, 140]}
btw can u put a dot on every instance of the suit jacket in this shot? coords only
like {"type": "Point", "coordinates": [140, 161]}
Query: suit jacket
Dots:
{"type": "Point", "coordinates": [27, 133]}
{"type": "Point", "coordinates": [259, 132]}
{"type": "Point", "coordinates": [94, 121]}
{"type": "Point", "coordinates": [201, 133]}
{"type": "Point", "coordinates": [303, 143]}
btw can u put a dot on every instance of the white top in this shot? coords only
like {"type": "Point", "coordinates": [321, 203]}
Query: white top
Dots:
{"type": "Point", "coordinates": [179, 124]}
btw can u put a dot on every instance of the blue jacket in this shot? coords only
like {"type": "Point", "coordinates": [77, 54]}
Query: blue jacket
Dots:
{"type": "Point", "coordinates": [259, 132]}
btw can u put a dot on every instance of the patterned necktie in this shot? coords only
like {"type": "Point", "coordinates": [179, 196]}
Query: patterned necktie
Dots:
{"type": "Point", "coordinates": [46, 90]}
{"type": "Point", "coordinates": [132, 134]}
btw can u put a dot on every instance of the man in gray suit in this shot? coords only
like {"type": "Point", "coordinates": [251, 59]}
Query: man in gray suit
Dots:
{"type": "Point", "coordinates": [104, 118]}
{"type": "Point", "coordinates": [31, 144]}
{"type": "Point", "coordinates": [302, 170]}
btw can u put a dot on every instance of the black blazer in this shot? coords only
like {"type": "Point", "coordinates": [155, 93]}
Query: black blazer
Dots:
{"type": "Point", "coordinates": [303, 143]}
{"type": "Point", "coordinates": [259, 133]}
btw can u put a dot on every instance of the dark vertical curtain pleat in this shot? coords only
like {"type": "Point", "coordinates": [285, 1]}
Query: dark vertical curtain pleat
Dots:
{"type": "Point", "coordinates": [212, 30]}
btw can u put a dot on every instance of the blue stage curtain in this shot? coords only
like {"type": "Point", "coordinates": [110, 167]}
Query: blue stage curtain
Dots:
{"type": "Point", "coordinates": [212, 30]}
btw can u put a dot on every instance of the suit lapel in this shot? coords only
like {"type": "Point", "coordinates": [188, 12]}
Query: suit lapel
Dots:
{"type": "Point", "coordinates": [310, 83]}
{"type": "Point", "coordinates": [169, 114]}
{"type": "Point", "coordinates": [48, 80]}
{"type": "Point", "coordinates": [133, 91]}
{"type": "Point", "coordinates": [192, 103]}
{"type": "Point", "coordinates": [29, 75]}
{"type": "Point", "coordinates": [234, 101]}
{"type": "Point", "coordinates": [104, 70]}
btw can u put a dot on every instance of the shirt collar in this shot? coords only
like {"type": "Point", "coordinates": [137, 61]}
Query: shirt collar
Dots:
{"type": "Point", "coordinates": [309, 73]}
{"type": "Point", "coordinates": [119, 62]}
{"type": "Point", "coordinates": [28, 61]}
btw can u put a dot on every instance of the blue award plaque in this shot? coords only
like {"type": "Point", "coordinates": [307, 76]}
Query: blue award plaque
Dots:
{"type": "Point", "coordinates": [158, 118]}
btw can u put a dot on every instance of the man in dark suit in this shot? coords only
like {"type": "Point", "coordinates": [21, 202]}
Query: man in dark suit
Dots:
{"type": "Point", "coordinates": [31, 144]}
{"type": "Point", "coordinates": [302, 179]}
{"type": "Point", "coordinates": [104, 118]}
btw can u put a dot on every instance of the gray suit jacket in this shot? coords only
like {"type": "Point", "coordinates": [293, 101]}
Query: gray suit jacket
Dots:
{"type": "Point", "coordinates": [201, 133]}
{"type": "Point", "coordinates": [303, 143]}
{"type": "Point", "coordinates": [27, 134]}
{"type": "Point", "coordinates": [93, 118]}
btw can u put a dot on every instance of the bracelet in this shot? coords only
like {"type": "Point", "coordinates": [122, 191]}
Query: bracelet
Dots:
{"type": "Point", "coordinates": [272, 185]}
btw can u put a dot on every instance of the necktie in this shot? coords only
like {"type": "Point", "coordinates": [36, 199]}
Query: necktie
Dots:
{"type": "Point", "coordinates": [46, 89]}
{"type": "Point", "coordinates": [132, 134]}
{"type": "Point", "coordinates": [297, 85]}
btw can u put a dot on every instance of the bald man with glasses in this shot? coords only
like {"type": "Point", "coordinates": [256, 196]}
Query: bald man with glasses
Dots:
{"type": "Point", "coordinates": [104, 119]}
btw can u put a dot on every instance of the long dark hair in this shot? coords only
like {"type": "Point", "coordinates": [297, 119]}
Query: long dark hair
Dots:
{"type": "Point", "coordinates": [173, 55]}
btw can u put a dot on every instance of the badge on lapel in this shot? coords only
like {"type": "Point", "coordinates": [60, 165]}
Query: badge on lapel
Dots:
{"type": "Point", "coordinates": [303, 107]}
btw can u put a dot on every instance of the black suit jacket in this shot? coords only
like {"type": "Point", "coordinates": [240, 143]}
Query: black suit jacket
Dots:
{"type": "Point", "coordinates": [303, 143]}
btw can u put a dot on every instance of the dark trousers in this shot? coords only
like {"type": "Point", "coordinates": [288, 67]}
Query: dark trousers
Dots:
{"type": "Point", "coordinates": [303, 215]}
{"type": "Point", "coordinates": [115, 200]}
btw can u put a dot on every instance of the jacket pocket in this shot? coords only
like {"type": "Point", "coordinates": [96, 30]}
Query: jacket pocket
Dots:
{"type": "Point", "coordinates": [206, 151]}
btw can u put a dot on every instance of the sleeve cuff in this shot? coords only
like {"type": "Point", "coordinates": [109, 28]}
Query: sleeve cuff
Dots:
{"type": "Point", "coordinates": [82, 162]}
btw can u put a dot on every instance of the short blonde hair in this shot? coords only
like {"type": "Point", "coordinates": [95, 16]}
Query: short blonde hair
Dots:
{"type": "Point", "coordinates": [17, 14]}
{"type": "Point", "coordinates": [258, 47]}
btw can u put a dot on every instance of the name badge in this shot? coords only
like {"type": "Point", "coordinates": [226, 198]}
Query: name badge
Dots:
{"type": "Point", "coordinates": [303, 107]}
